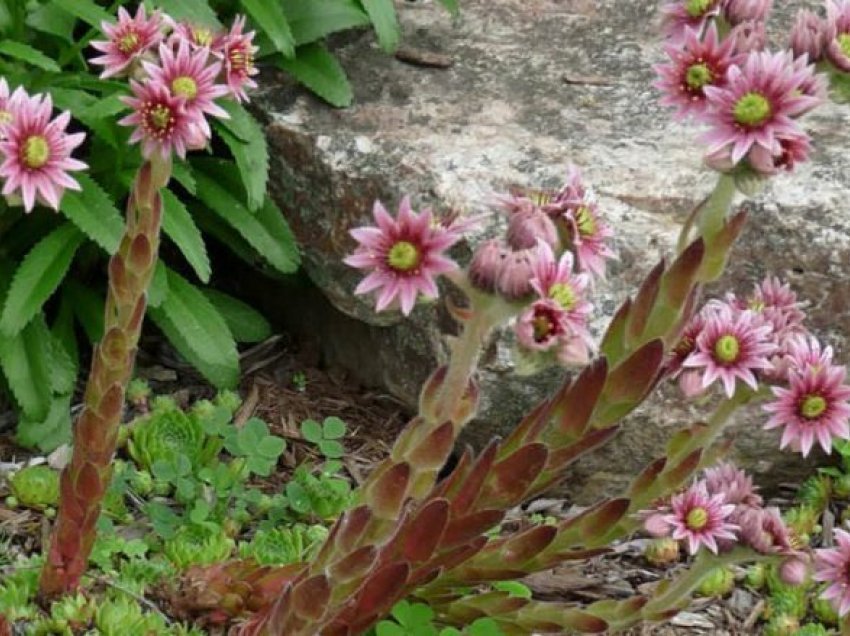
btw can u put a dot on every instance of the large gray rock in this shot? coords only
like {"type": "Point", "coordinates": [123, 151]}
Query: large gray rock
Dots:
{"type": "Point", "coordinates": [537, 84]}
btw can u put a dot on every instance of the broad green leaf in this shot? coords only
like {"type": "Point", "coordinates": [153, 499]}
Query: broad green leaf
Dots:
{"type": "Point", "coordinates": [383, 16]}
{"type": "Point", "coordinates": [316, 68]}
{"type": "Point", "coordinates": [88, 308]}
{"type": "Point", "coordinates": [198, 332]}
{"type": "Point", "coordinates": [63, 368]}
{"type": "Point", "coordinates": [312, 431]}
{"type": "Point", "coordinates": [28, 54]}
{"type": "Point", "coordinates": [268, 15]}
{"type": "Point", "coordinates": [247, 142]}
{"type": "Point", "coordinates": [266, 230]}
{"type": "Point", "coordinates": [38, 277]}
{"type": "Point", "coordinates": [50, 18]}
{"type": "Point", "coordinates": [25, 360]}
{"type": "Point", "coordinates": [245, 323]}
{"type": "Point", "coordinates": [333, 428]}
{"type": "Point", "coordinates": [92, 211]}
{"type": "Point", "coordinates": [311, 20]}
{"type": "Point", "coordinates": [182, 173]}
{"type": "Point", "coordinates": [179, 226]}
{"type": "Point", "coordinates": [86, 10]}
{"type": "Point", "coordinates": [452, 6]}
{"type": "Point", "coordinates": [64, 332]}
{"type": "Point", "coordinates": [158, 290]}
{"type": "Point", "coordinates": [49, 432]}
{"type": "Point", "coordinates": [194, 11]}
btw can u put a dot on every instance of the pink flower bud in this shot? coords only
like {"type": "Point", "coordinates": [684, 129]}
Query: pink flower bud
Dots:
{"type": "Point", "coordinates": [515, 274]}
{"type": "Point", "coordinates": [691, 385]}
{"type": "Point", "coordinates": [525, 228]}
{"type": "Point", "coordinates": [486, 265]}
{"type": "Point", "coordinates": [738, 11]}
{"type": "Point", "coordinates": [794, 571]}
{"type": "Point", "coordinates": [749, 36]}
{"type": "Point", "coordinates": [656, 524]}
{"type": "Point", "coordinates": [807, 36]}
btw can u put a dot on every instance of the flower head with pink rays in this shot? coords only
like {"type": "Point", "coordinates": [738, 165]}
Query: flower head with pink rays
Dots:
{"type": "Point", "coordinates": [190, 76]}
{"type": "Point", "coordinates": [832, 566]}
{"type": "Point", "coordinates": [591, 238]}
{"type": "Point", "coordinates": [36, 152]}
{"type": "Point", "coordinates": [757, 105]}
{"type": "Point", "coordinates": [554, 279]}
{"type": "Point", "coordinates": [777, 303]}
{"type": "Point", "coordinates": [695, 63]}
{"type": "Point", "coordinates": [680, 15]}
{"type": "Point", "coordinates": [733, 346]}
{"type": "Point", "coordinates": [163, 123]}
{"type": "Point", "coordinates": [807, 36]}
{"type": "Point", "coordinates": [814, 407]}
{"type": "Point", "coordinates": [404, 255]}
{"type": "Point", "coordinates": [238, 51]}
{"type": "Point", "coordinates": [836, 34]}
{"type": "Point", "coordinates": [734, 484]}
{"type": "Point", "coordinates": [700, 519]}
{"type": "Point", "coordinates": [197, 35]}
{"type": "Point", "coordinates": [128, 41]}
{"type": "Point", "coordinates": [804, 351]}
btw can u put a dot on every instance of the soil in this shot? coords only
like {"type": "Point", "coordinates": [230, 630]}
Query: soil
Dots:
{"type": "Point", "coordinates": [285, 385]}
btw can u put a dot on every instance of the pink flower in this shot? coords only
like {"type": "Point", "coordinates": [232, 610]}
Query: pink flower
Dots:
{"type": "Point", "coordinates": [813, 407]}
{"type": "Point", "coordinates": [163, 124]}
{"type": "Point", "coordinates": [733, 483]}
{"type": "Point", "coordinates": [738, 11]}
{"type": "Point", "coordinates": [777, 303]}
{"type": "Point", "coordinates": [513, 281]}
{"type": "Point", "coordinates": [788, 151]}
{"type": "Point", "coordinates": [36, 152]}
{"type": "Point", "coordinates": [681, 15]}
{"type": "Point", "coordinates": [806, 352]}
{"type": "Point", "coordinates": [486, 264]}
{"type": "Point", "coordinates": [757, 104]}
{"type": "Point", "coordinates": [700, 518]}
{"type": "Point", "coordinates": [555, 280]}
{"type": "Point", "coordinates": [732, 346]}
{"type": "Point", "coordinates": [695, 63]}
{"type": "Point", "coordinates": [836, 34]}
{"type": "Point", "coordinates": [527, 227]}
{"type": "Point", "coordinates": [832, 565]}
{"type": "Point", "coordinates": [763, 529]}
{"type": "Point", "coordinates": [749, 36]}
{"type": "Point", "coordinates": [129, 39]}
{"type": "Point", "coordinates": [198, 36]}
{"type": "Point", "coordinates": [807, 36]}
{"type": "Point", "coordinates": [238, 51]}
{"type": "Point", "coordinates": [188, 76]}
{"type": "Point", "coordinates": [404, 255]}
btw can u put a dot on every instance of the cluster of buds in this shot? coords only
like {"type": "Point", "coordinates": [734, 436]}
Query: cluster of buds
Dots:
{"type": "Point", "coordinates": [177, 71]}
{"type": "Point", "coordinates": [824, 39]}
{"type": "Point", "coordinates": [723, 510]}
{"type": "Point", "coordinates": [750, 99]}
{"type": "Point", "coordinates": [35, 149]}
{"type": "Point", "coordinates": [762, 340]}
{"type": "Point", "coordinates": [555, 244]}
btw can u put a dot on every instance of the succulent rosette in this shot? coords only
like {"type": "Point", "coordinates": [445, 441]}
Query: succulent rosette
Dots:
{"type": "Point", "coordinates": [166, 435]}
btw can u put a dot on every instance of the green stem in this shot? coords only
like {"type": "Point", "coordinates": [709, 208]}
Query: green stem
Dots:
{"type": "Point", "coordinates": [711, 214]}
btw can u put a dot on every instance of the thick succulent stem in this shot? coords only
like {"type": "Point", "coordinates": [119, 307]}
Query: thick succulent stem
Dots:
{"type": "Point", "coordinates": [85, 479]}
{"type": "Point", "coordinates": [712, 214]}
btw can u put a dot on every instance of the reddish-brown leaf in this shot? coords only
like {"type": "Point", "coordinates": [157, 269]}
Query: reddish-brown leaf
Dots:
{"type": "Point", "coordinates": [575, 403]}
{"type": "Point", "coordinates": [528, 429]}
{"type": "Point", "coordinates": [310, 597]}
{"type": "Point", "coordinates": [603, 517]}
{"type": "Point", "coordinates": [644, 303]}
{"type": "Point", "coordinates": [352, 526]}
{"type": "Point", "coordinates": [425, 531]}
{"type": "Point", "coordinates": [433, 451]}
{"type": "Point", "coordinates": [510, 479]}
{"type": "Point", "coordinates": [464, 529]}
{"type": "Point", "coordinates": [386, 495]}
{"type": "Point", "coordinates": [469, 489]}
{"type": "Point", "coordinates": [380, 591]}
{"type": "Point", "coordinates": [527, 545]}
{"type": "Point", "coordinates": [140, 256]}
{"type": "Point", "coordinates": [111, 404]}
{"type": "Point", "coordinates": [429, 396]}
{"type": "Point", "coordinates": [681, 277]}
{"type": "Point", "coordinates": [88, 485]}
{"type": "Point", "coordinates": [614, 341]}
{"type": "Point", "coordinates": [354, 565]}
{"type": "Point", "coordinates": [647, 477]}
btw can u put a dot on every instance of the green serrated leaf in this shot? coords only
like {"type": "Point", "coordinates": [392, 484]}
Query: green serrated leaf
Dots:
{"type": "Point", "coordinates": [38, 276]}
{"type": "Point", "coordinates": [311, 20]}
{"type": "Point", "coordinates": [194, 11]}
{"type": "Point", "coordinates": [383, 16]}
{"type": "Point", "coordinates": [92, 211]}
{"type": "Point", "coordinates": [88, 308]}
{"type": "Point", "coordinates": [266, 230]}
{"type": "Point", "coordinates": [158, 289]}
{"type": "Point", "coordinates": [269, 17]}
{"type": "Point", "coordinates": [63, 368]}
{"type": "Point", "coordinates": [245, 323]}
{"type": "Point", "coordinates": [49, 432]}
{"type": "Point", "coordinates": [29, 55]}
{"type": "Point", "coordinates": [25, 360]}
{"type": "Point", "coordinates": [198, 332]}
{"type": "Point", "coordinates": [86, 10]}
{"type": "Point", "coordinates": [179, 226]}
{"type": "Point", "coordinates": [247, 142]}
{"type": "Point", "coordinates": [316, 68]}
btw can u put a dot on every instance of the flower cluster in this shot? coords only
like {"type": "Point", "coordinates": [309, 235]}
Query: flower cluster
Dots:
{"type": "Point", "coordinates": [750, 99]}
{"type": "Point", "coordinates": [35, 149]}
{"type": "Point", "coordinates": [177, 71]}
{"type": "Point", "coordinates": [832, 565]}
{"type": "Point", "coordinates": [723, 510]}
{"type": "Point", "coordinates": [762, 339]}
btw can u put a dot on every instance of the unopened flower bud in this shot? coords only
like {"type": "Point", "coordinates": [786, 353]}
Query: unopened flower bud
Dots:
{"type": "Point", "coordinates": [656, 525]}
{"type": "Point", "coordinates": [486, 265]}
{"type": "Point", "coordinates": [662, 551]}
{"type": "Point", "coordinates": [738, 11]}
{"type": "Point", "coordinates": [749, 36]}
{"type": "Point", "coordinates": [515, 274]}
{"type": "Point", "coordinates": [807, 35]}
{"type": "Point", "coordinates": [720, 159]}
{"type": "Point", "coordinates": [526, 228]}
{"type": "Point", "coordinates": [794, 571]}
{"type": "Point", "coordinates": [691, 384]}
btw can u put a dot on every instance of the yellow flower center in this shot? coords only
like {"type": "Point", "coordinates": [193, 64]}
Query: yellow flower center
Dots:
{"type": "Point", "coordinates": [752, 109]}
{"type": "Point", "coordinates": [158, 120]}
{"type": "Point", "coordinates": [403, 256]}
{"type": "Point", "coordinates": [585, 222]}
{"type": "Point", "coordinates": [5, 117]}
{"type": "Point", "coordinates": [697, 519]}
{"type": "Point", "coordinates": [202, 36]}
{"type": "Point", "coordinates": [563, 294]}
{"type": "Point", "coordinates": [35, 152]}
{"type": "Point", "coordinates": [128, 42]}
{"type": "Point", "coordinates": [844, 43]}
{"type": "Point", "coordinates": [698, 75]}
{"type": "Point", "coordinates": [755, 304]}
{"type": "Point", "coordinates": [184, 86]}
{"type": "Point", "coordinates": [812, 406]}
{"type": "Point", "coordinates": [696, 8]}
{"type": "Point", "coordinates": [540, 197]}
{"type": "Point", "coordinates": [727, 348]}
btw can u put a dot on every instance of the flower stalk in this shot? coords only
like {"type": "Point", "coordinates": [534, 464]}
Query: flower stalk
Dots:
{"type": "Point", "coordinates": [85, 480]}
